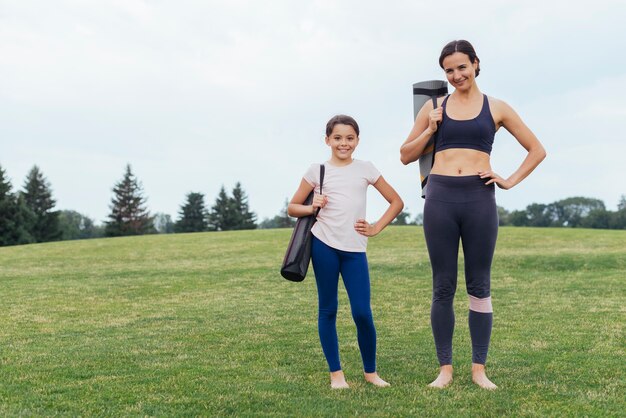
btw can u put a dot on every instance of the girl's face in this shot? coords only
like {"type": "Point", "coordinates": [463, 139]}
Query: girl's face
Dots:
{"type": "Point", "coordinates": [459, 70]}
{"type": "Point", "coordinates": [342, 142]}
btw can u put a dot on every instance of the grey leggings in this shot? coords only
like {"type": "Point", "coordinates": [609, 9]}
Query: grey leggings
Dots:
{"type": "Point", "coordinates": [461, 208]}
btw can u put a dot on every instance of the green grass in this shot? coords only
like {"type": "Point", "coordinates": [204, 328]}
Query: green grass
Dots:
{"type": "Point", "coordinates": [203, 324]}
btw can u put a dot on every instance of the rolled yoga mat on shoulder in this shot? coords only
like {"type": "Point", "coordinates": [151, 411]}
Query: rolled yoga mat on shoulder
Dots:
{"type": "Point", "coordinates": [422, 92]}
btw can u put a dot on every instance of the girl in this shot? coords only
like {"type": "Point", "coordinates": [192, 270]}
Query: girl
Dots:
{"type": "Point", "coordinates": [340, 239]}
{"type": "Point", "coordinates": [460, 199]}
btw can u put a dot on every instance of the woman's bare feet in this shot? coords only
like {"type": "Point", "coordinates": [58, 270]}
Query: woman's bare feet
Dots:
{"type": "Point", "coordinates": [375, 380]}
{"type": "Point", "coordinates": [444, 378]}
{"type": "Point", "coordinates": [480, 378]}
{"type": "Point", "coordinates": [338, 380]}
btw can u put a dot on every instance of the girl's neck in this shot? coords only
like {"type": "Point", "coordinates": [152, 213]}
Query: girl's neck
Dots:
{"type": "Point", "coordinates": [340, 163]}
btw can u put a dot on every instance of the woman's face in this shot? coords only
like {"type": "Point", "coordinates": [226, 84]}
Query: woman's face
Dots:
{"type": "Point", "coordinates": [459, 70]}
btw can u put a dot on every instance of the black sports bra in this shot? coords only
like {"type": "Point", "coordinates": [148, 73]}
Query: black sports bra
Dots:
{"type": "Point", "coordinates": [477, 133]}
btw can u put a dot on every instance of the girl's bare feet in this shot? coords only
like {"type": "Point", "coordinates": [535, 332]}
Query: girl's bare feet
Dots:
{"type": "Point", "coordinates": [444, 378]}
{"type": "Point", "coordinates": [338, 380]}
{"type": "Point", "coordinates": [375, 380]}
{"type": "Point", "coordinates": [480, 378]}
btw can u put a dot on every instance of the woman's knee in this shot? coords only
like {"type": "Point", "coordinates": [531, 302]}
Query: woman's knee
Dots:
{"type": "Point", "coordinates": [478, 286]}
{"type": "Point", "coordinates": [444, 292]}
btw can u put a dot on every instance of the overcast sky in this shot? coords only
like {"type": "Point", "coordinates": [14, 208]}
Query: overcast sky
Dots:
{"type": "Point", "coordinates": [200, 94]}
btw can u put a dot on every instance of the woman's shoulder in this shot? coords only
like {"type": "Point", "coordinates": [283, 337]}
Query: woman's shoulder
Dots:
{"type": "Point", "coordinates": [500, 110]}
{"type": "Point", "coordinates": [498, 104]}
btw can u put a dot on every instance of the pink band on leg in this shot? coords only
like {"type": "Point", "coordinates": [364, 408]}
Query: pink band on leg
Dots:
{"type": "Point", "coordinates": [480, 305]}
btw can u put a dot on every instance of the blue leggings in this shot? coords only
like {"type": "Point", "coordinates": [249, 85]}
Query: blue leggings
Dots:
{"type": "Point", "coordinates": [327, 264]}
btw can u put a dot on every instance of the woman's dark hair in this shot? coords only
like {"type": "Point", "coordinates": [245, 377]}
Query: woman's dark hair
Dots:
{"type": "Point", "coordinates": [463, 47]}
{"type": "Point", "coordinates": [341, 120]}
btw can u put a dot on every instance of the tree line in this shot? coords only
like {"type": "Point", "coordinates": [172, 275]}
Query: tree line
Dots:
{"type": "Point", "coordinates": [573, 212]}
{"type": "Point", "coordinates": [28, 215]}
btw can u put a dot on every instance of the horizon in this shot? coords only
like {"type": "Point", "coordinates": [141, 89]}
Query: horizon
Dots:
{"type": "Point", "coordinates": [228, 191]}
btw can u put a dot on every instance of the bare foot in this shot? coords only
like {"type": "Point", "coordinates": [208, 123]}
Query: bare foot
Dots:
{"type": "Point", "coordinates": [338, 380]}
{"type": "Point", "coordinates": [375, 380]}
{"type": "Point", "coordinates": [444, 378]}
{"type": "Point", "coordinates": [480, 378]}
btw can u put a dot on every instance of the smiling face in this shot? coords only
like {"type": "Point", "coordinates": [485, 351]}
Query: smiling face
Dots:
{"type": "Point", "coordinates": [342, 142]}
{"type": "Point", "coordinates": [459, 70]}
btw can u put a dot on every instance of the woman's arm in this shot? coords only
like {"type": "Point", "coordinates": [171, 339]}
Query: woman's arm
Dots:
{"type": "Point", "coordinates": [296, 207]}
{"type": "Point", "coordinates": [395, 207]}
{"type": "Point", "coordinates": [536, 153]}
{"type": "Point", "coordinates": [424, 127]}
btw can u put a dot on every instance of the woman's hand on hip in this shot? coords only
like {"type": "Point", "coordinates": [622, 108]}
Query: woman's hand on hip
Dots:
{"type": "Point", "coordinates": [495, 178]}
{"type": "Point", "coordinates": [364, 228]}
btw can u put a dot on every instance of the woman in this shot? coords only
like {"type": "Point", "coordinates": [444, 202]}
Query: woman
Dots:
{"type": "Point", "coordinates": [460, 199]}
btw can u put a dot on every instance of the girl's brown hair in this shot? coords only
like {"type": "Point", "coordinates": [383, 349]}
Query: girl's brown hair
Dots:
{"type": "Point", "coordinates": [341, 120]}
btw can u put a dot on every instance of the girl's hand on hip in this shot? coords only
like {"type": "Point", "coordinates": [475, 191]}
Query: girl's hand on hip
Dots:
{"type": "Point", "coordinates": [364, 228]}
{"type": "Point", "coordinates": [495, 178]}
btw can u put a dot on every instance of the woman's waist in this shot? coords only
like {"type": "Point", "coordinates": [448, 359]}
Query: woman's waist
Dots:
{"type": "Point", "coordinates": [460, 162]}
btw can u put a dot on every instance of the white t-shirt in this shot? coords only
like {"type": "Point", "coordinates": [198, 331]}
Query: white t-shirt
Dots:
{"type": "Point", "coordinates": [346, 188]}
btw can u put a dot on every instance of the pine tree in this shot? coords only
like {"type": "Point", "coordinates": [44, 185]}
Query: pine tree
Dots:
{"type": "Point", "coordinates": [193, 215]}
{"type": "Point", "coordinates": [244, 218]}
{"type": "Point", "coordinates": [129, 215]}
{"type": "Point", "coordinates": [5, 184]}
{"type": "Point", "coordinates": [15, 217]}
{"type": "Point", "coordinates": [38, 197]}
{"type": "Point", "coordinates": [223, 215]}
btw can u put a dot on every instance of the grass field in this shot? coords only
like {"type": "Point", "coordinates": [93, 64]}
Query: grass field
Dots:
{"type": "Point", "coordinates": [203, 324]}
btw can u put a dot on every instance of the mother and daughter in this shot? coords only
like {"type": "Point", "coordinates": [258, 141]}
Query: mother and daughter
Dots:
{"type": "Point", "coordinates": [460, 207]}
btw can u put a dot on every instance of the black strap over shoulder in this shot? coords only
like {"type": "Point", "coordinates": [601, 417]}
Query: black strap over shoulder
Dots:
{"type": "Point", "coordinates": [434, 98]}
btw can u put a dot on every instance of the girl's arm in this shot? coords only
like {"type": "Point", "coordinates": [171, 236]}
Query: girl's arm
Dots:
{"type": "Point", "coordinates": [425, 126]}
{"type": "Point", "coordinates": [536, 153]}
{"type": "Point", "coordinates": [395, 207]}
{"type": "Point", "coordinates": [296, 207]}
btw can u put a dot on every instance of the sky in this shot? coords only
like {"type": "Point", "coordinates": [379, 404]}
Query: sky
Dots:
{"type": "Point", "coordinates": [196, 95]}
